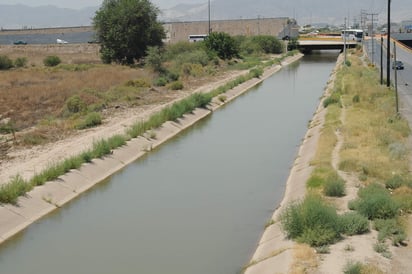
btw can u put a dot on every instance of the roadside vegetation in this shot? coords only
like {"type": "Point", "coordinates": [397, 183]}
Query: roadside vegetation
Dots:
{"type": "Point", "coordinates": [374, 151]}
{"type": "Point", "coordinates": [48, 101]}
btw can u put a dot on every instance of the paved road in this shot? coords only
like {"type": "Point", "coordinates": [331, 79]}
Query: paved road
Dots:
{"type": "Point", "coordinates": [404, 76]}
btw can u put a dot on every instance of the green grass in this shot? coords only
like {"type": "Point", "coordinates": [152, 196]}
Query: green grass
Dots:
{"type": "Point", "coordinates": [334, 186]}
{"type": "Point", "coordinates": [14, 189]}
{"type": "Point", "coordinates": [311, 221]}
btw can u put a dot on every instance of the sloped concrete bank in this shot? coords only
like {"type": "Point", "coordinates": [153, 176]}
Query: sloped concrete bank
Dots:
{"type": "Point", "coordinates": [52, 195]}
{"type": "Point", "coordinates": [274, 253]}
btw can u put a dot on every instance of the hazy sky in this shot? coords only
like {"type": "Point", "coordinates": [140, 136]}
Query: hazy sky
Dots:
{"type": "Point", "coordinates": [78, 4]}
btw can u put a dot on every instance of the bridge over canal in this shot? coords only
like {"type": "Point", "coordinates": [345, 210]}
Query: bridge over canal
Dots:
{"type": "Point", "coordinates": [309, 45]}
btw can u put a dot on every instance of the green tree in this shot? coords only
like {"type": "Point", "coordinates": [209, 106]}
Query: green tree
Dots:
{"type": "Point", "coordinates": [223, 45]}
{"type": "Point", "coordinates": [125, 28]}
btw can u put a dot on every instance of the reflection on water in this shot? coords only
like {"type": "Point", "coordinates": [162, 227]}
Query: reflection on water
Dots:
{"type": "Point", "coordinates": [197, 204]}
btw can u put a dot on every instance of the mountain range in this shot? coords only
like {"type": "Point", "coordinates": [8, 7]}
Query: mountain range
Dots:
{"type": "Point", "coordinates": [306, 12]}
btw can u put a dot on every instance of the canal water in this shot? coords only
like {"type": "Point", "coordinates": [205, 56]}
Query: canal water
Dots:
{"type": "Point", "coordinates": [197, 204]}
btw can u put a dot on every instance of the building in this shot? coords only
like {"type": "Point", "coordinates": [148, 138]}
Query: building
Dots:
{"type": "Point", "coordinates": [279, 27]}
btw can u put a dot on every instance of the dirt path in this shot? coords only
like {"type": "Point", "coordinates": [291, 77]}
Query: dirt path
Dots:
{"type": "Point", "coordinates": [28, 162]}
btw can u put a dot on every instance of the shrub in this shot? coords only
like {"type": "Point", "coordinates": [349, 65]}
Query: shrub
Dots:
{"type": "Point", "coordinates": [5, 62]}
{"type": "Point", "coordinates": [334, 186]}
{"type": "Point", "coordinates": [91, 120]}
{"type": "Point", "coordinates": [51, 61]}
{"type": "Point", "coordinates": [394, 182]}
{"type": "Point", "coordinates": [352, 223]}
{"type": "Point", "coordinates": [256, 72]}
{"type": "Point", "coordinates": [268, 44]}
{"type": "Point", "coordinates": [375, 202]}
{"type": "Point", "coordinates": [390, 229]}
{"type": "Point", "coordinates": [356, 99]}
{"type": "Point", "coordinates": [194, 57]}
{"type": "Point", "coordinates": [315, 181]}
{"type": "Point", "coordinates": [383, 249]}
{"type": "Point", "coordinates": [333, 99]}
{"type": "Point", "coordinates": [176, 85]}
{"type": "Point", "coordinates": [353, 268]}
{"type": "Point", "coordinates": [160, 82]}
{"type": "Point", "coordinates": [311, 221]}
{"type": "Point", "coordinates": [10, 192]}
{"type": "Point", "coordinates": [20, 62]}
{"type": "Point", "coordinates": [154, 58]}
{"type": "Point", "coordinates": [139, 83]}
{"type": "Point", "coordinates": [222, 44]}
{"type": "Point", "coordinates": [403, 196]}
{"type": "Point", "coordinates": [398, 151]}
{"type": "Point", "coordinates": [75, 104]}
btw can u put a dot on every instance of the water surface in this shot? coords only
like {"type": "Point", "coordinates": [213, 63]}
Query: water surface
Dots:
{"type": "Point", "coordinates": [198, 204]}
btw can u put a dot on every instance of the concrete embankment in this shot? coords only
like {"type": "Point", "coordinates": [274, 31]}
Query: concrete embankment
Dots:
{"type": "Point", "coordinates": [274, 253]}
{"type": "Point", "coordinates": [44, 199]}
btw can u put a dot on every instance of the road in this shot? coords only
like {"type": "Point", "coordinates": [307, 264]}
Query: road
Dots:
{"type": "Point", "coordinates": [404, 76]}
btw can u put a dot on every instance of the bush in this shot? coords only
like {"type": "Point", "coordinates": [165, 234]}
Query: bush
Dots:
{"type": "Point", "coordinates": [375, 202]}
{"type": "Point", "coordinates": [315, 181]}
{"type": "Point", "coordinates": [333, 99]}
{"type": "Point", "coordinates": [160, 82]}
{"type": "Point", "coordinates": [268, 44]}
{"type": "Point", "coordinates": [176, 85]}
{"type": "Point", "coordinates": [256, 72]}
{"type": "Point", "coordinates": [5, 62]}
{"type": "Point", "coordinates": [394, 182]}
{"type": "Point", "coordinates": [390, 229]}
{"type": "Point", "coordinates": [91, 120]}
{"type": "Point", "coordinates": [10, 192]}
{"type": "Point", "coordinates": [20, 62]}
{"type": "Point", "coordinates": [334, 187]}
{"type": "Point", "coordinates": [195, 57]}
{"type": "Point", "coordinates": [223, 45]}
{"type": "Point", "coordinates": [75, 104]}
{"type": "Point", "coordinates": [154, 58]}
{"type": "Point", "coordinates": [51, 61]}
{"type": "Point", "coordinates": [311, 221]}
{"type": "Point", "coordinates": [352, 223]}
{"type": "Point", "coordinates": [353, 268]}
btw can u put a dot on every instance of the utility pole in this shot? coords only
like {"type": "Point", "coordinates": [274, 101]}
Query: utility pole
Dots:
{"type": "Point", "coordinates": [396, 78]}
{"type": "Point", "coordinates": [208, 31]}
{"type": "Point", "coordinates": [388, 50]}
{"type": "Point", "coordinates": [373, 35]}
{"type": "Point", "coordinates": [381, 60]}
{"type": "Point", "coordinates": [344, 42]}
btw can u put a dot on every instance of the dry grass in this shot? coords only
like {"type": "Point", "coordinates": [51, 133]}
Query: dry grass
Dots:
{"type": "Point", "coordinates": [372, 128]}
{"type": "Point", "coordinates": [30, 95]}
{"type": "Point", "coordinates": [69, 54]}
{"type": "Point", "coordinates": [305, 259]}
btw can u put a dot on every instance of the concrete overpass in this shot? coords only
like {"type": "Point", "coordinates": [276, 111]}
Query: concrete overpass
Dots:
{"type": "Point", "coordinates": [309, 45]}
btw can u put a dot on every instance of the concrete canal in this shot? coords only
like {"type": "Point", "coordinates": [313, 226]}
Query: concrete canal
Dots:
{"type": "Point", "coordinates": [198, 204]}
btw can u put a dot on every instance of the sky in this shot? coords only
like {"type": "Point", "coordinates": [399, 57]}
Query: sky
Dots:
{"type": "Point", "coordinates": [78, 4]}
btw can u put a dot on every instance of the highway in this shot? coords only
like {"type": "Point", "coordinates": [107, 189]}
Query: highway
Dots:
{"type": "Point", "coordinates": [404, 76]}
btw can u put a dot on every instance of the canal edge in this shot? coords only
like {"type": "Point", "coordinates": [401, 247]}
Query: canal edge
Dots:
{"type": "Point", "coordinates": [44, 199]}
{"type": "Point", "coordinates": [274, 252]}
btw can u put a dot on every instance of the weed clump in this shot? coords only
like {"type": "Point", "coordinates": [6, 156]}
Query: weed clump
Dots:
{"type": "Point", "coordinates": [375, 202]}
{"type": "Point", "coordinates": [311, 221]}
{"type": "Point", "coordinates": [5, 62]}
{"type": "Point", "coordinates": [51, 61]}
{"type": "Point", "coordinates": [334, 187]}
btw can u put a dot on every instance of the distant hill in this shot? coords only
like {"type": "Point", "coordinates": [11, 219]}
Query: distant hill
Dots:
{"type": "Point", "coordinates": [20, 16]}
{"type": "Point", "coordinates": [306, 12]}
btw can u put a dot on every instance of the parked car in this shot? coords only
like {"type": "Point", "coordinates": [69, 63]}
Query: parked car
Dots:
{"type": "Point", "coordinates": [20, 43]}
{"type": "Point", "coordinates": [397, 65]}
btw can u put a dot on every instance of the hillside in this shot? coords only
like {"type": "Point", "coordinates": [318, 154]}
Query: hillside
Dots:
{"type": "Point", "coordinates": [316, 11]}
